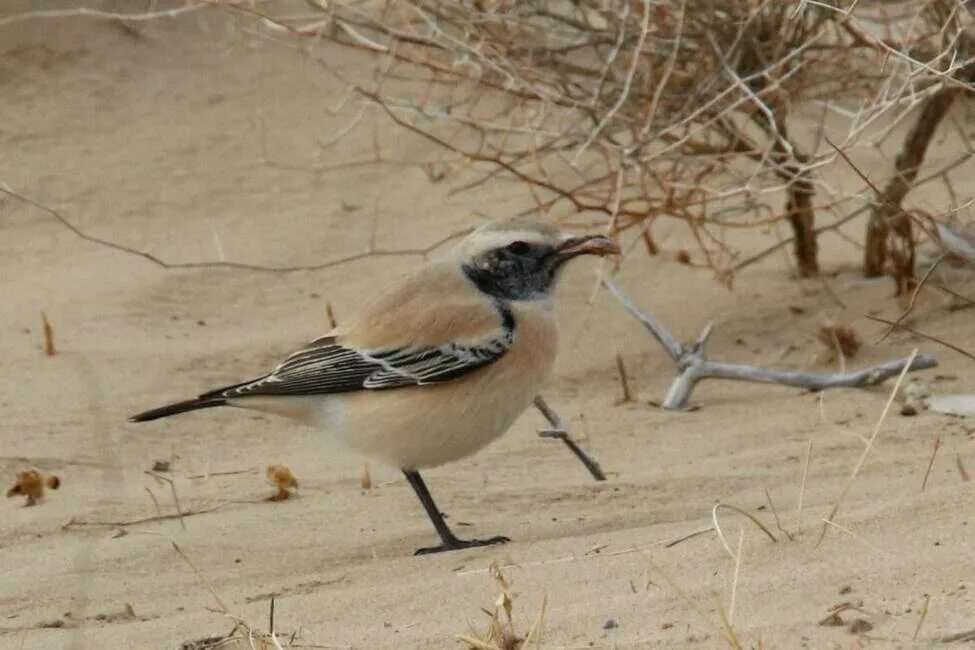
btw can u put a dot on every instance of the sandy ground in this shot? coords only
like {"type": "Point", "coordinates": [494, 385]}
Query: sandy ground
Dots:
{"type": "Point", "coordinates": [153, 138]}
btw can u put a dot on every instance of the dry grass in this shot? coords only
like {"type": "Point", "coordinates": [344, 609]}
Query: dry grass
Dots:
{"type": "Point", "coordinates": [244, 635]}
{"type": "Point", "coordinates": [31, 484]}
{"type": "Point", "coordinates": [866, 450]}
{"type": "Point", "coordinates": [625, 395]}
{"type": "Point", "coordinates": [842, 340]}
{"type": "Point", "coordinates": [501, 633]}
{"type": "Point", "coordinates": [965, 476]}
{"type": "Point", "coordinates": [802, 487]}
{"type": "Point", "coordinates": [49, 348]}
{"type": "Point", "coordinates": [927, 471]}
{"type": "Point", "coordinates": [747, 515]}
{"type": "Point", "coordinates": [722, 625]}
{"type": "Point", "coordinates": [283, 481]}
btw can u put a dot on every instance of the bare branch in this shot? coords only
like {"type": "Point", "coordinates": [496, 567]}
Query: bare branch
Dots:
{"type": "Point", "coordinates": [87, 12]}
{"type": "Point", "coordinates": [669, 343]}
{"type": "Point", "coordinates": [693, 365]}
{"type": "Point", "coordinates": [558, 430]}
{"type": "Point", "coordinates": [369, 252]}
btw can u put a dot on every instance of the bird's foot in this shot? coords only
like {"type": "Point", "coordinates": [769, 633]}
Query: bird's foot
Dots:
{"type": "Point", "coordinates": [458, 544]}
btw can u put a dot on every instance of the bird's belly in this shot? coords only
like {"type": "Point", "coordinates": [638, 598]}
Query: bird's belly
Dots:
{"type": "Point", "coordinates": [410, 429]}
{"type": "Point", "coordinates": [427, 426]}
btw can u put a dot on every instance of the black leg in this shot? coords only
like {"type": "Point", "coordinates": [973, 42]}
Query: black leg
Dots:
{"type": "Point", "coordinates": [450, 541]}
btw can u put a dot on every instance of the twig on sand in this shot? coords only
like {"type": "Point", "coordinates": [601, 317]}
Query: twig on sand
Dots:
{"type": "Point", "coordinates": [626, 395]}
{"type": "Point", "coordinates": [754, 520]}
{"type": "Point", "coordinates": [86, 12]}
{"type": "Point", "coordinates": [370, 251]}
{"type": "Point", "coordinates": [206, 583]}
{"type": "Point", "coordinates": [172, 487]}
{"type": "Point", "coordinates": [923, 615]}
{"type": "Point", "coordinates": [723, 624]}
{"type": "Point", "coordinates": [144, 520]}
{"type": "Point", "coordinates": [927, 472]}
{"type": "Point", "coordinates": [965, 476]}
{"type": "Point", "coordinates": [934, 339]}
{"type": "Point", "coordinates": [802, 487]}
{"type": "Point", "coordinates": [694, 366]}
{"type": "Point", "coordinates": [602, 555]}
{"type": "Point", "coordinates": [775, 513]}
{"type": "Point", "coordinates": [914, 297]}
{"type": "Point", "coordinates": [558, 430]}
{"type": "Point", "coordinates": [734, 582]}
{"type": "Point", "coordinates": [961, 637]}
{"type": "Point", "coordinates": [155, 501]}
{"type": "Point", "coordinates": [684, 538]}
{"type": "Point", "coordinates": [233, 472]}
{"type": "Point", "coordinates": [242, 629]}
{"type": "Point", "coordinates": [859, 538]}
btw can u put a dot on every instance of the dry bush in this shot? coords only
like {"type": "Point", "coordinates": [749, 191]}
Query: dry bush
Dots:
{"type": "Point", "coordinates": [625, 111]}
{"type": "Point", "coordinates": [500, 633]}
{"type": "Point", "coordinates": [283, 480]}
{"type": "Point", "coordinates": [839, 339]}
{"type": "Point", "coordinates": [30, 484]}
{"type": "Point", "coordinates": [631, 110]}
{"type": "Point", "coordinates": [944, 33]}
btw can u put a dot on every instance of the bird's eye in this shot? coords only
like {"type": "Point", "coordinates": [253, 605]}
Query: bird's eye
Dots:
{"type": "Point", "coordinates": [518, 248]}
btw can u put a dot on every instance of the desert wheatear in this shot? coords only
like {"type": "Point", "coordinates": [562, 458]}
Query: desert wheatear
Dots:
{"type": "Point", "coordinates": [435, 369]}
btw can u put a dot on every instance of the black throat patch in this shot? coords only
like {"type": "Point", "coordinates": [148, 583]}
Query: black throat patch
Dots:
{"type": "Point", "coordinates": [505, 281]}
{"type": "Point", "coordinates": [507, 318]}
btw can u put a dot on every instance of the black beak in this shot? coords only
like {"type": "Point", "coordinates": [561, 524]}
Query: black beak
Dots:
{"type": "Point", "coordinates": [589, 245]}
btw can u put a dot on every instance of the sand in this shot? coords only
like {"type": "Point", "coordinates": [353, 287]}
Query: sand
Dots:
{"type": "Point", "coordinates": [192, 142]}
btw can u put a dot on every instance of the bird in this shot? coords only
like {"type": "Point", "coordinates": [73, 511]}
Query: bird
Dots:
{"type": "Point", "coordinates": [434, 368]}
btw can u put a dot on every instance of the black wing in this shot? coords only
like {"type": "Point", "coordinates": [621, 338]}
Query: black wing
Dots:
{"type": "Point", "coordinates": [326, 366]}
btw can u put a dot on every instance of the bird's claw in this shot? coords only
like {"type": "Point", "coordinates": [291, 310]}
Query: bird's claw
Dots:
{"type": "Point", "coordinates": [555, 432]}
{"type": "Point", "coordinates": [459, 544]}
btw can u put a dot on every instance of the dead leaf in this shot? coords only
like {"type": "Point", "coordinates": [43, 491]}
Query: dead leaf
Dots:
{"type": "Point", "coordinates": [49, 348]}
{"type": "Point", "coordinates": [843, 337]}
{"type": "Point", "coordinates": [31, 483]}
{"type": "Point", "coordinates": [282, 478]}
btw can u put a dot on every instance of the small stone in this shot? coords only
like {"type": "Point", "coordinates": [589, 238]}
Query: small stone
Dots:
{"type": "Point", "coordinates": [860, 626]}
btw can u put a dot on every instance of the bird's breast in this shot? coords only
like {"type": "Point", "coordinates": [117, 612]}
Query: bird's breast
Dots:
{"type": "Point", "coordinates": [536, 341]}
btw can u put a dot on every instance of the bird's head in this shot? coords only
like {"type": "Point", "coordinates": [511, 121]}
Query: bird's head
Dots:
{"type": "Point", "coordinates": [520, 259]}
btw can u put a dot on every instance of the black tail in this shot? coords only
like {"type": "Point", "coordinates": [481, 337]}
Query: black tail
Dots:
{"type": "Point", "coordinates": [178, 407]}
